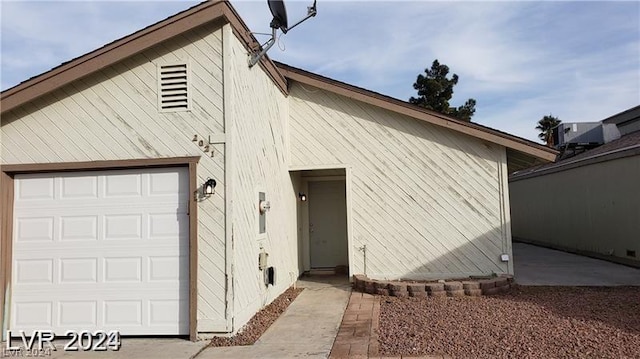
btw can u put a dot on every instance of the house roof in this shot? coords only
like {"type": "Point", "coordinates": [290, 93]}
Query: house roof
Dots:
{"type": "Point", "coordinates": [632, 114]}
{"type": "Point", "coordinates": [521, 152]}
{"type": "Point", "coordinates": [625, 146]}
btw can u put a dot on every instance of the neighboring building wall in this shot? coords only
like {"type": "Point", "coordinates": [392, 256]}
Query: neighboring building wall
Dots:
{"type": "Point", "coordinates": [113, 115]}
{"type": "Point", "coordinates": [426, 201]}
{"type": "Point", "coordinates": [258, 113]}
{"type": "Point", "coordinates": [594, 208]}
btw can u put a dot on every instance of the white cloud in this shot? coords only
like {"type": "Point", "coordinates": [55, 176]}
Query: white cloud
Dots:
{"type": "Point", "coordinates": [39, 35]}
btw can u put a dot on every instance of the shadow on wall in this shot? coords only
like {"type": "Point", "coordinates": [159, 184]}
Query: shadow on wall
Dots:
{"type": "Point", "coordinates": [425, 200]}
{"type": "Point", "coordinates": [397, 258]}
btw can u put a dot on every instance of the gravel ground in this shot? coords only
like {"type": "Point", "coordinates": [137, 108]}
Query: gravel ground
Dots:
{"type": "Point", "coordinates": [260, 322]}
{"type": "Point", "coordinates": [526, 322]}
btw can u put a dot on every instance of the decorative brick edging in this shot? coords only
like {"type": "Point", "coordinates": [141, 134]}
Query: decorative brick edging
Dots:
{"type": "Point", "coordinates": [358, 333]}
{"type": "Point", "coordinates": [473, 288]}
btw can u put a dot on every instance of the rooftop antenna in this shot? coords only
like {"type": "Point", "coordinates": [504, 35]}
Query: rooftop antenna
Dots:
{"type": "Point", "coordinates": [279, 21]}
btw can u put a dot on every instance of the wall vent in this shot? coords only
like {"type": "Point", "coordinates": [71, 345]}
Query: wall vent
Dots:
{"type": "Point", "coordinates": [173, 87]}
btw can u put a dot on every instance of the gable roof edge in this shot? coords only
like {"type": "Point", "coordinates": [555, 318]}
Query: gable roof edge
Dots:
{"type": "Point", "coordinates": [132, 44]}
{"type": "Point", "coordinates": [405, 108]}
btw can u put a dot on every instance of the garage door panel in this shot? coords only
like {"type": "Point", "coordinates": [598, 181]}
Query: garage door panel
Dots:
{"type": "Point", "coordinates": [68, 208]}
{"type": "Point", "coordinates": [167, 225]}
{"type": "Point", "coordinates": [134, 316]}
{"type": "Point", "coordinates": [123, 185]}
{"type": "Point", "coordinates": [31, 229]}
{"type": "Point", "coordinates": [122, 269]}
{"type": "Point", "coordinates": [166, 185]}
{"type": "Point", "coordinates": [122, 313]}
{"type": "Point", "coordinates": [104, 273]}
{"type": "Point", "coordinates": [170, 225]}
{"type": "Point", "coordinates": [165, 312]}
{"type": "Point", "coordinates": [36, 188]}
{"type": "Point", "coordinates": [79, 228]}
{"type": "Point", "coordinates": [167, 269]}
{"type": "Point", "coordinates": [78, 270]}
{"type": "Point", "coordinates": [111, 244]}
{"type": "Point", "coordinates": [156, 184]}
{"type": "Point", "coordinates": [76, 313]}
{"type": "Point", "coordinates": [102, 291]}
{"type": "Point", "coordinates": [33, 315]}
{"type": "Point", "coordinates": [78, 187]}
{"type": "Point", "coordinates": [33, 271]}
{"type": "Point", "coordinates": [59, 250]}
{"type": "Point", "coordinates": [123, 226]}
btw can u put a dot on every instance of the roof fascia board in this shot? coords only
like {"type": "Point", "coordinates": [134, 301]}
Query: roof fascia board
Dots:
{"type": "Point", "coordinates": [131, 45]}
{"type": "Point", "coordinates": [624, 116]}
{"type": "Point", "coordinates": [603, 157]}
{"type": "Point", "coordinates": [401, 107]}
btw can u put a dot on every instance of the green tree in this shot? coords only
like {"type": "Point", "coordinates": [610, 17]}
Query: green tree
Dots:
{"type": "Point", "coordinates": [435, 90]}
{"type": "Point", "coordinates": [545, 126]}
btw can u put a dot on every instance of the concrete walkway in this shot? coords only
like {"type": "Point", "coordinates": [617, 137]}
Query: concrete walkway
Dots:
{"type": "Point", "coordinates": [535, 265]}
{"type": "Point", "coordinates": [306, 330]}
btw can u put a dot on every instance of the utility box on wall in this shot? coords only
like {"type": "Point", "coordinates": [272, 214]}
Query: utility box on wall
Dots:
{"type": "Point", "coordinates": [263, 260]}
{"type": "Point", "coordinates": [270, 276]}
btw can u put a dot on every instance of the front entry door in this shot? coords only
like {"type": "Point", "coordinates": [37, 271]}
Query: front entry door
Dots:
{"type": "Point", "coordinates": [328, 224]}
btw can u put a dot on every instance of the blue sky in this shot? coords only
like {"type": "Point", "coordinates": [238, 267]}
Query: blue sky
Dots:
{"type": "Point", "coordinates": [579, 61]}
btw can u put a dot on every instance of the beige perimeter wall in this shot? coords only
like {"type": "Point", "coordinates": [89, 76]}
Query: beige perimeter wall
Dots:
{"type": "Point", "coordinates": [594, 208]}
{"type": "Point", "coordinates": [426, 201]}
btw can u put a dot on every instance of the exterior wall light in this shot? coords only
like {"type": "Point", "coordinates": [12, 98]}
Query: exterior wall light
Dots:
{"type": "Point", "coordinates": [209, 187]}
{"type": "Point", "coordinates": [264, 206]}
{"type": "Point", "coordinates": [302, 196]}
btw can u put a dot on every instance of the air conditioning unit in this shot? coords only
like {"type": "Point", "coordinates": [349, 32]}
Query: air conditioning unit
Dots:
{"type": "Point", "coordinates": [587, 134]}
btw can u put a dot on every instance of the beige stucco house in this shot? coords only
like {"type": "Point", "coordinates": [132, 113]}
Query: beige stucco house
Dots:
{"type": "Point", "coordinates": [109, 220]}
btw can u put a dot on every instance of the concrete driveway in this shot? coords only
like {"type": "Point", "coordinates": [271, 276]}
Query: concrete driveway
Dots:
{"type": "Point", "coordinates": [535, 265]}
{"type": "Point", "coordinates": [160, 348]}
{"type": "Point", "coordinates": [307, 329]}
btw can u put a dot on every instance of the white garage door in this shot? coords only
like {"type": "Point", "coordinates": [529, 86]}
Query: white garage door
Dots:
{"type": "Point", "coordinates": [101, 250]}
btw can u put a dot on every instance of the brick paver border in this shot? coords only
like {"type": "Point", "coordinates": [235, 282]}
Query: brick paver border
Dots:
{"type": "Point", "coordinates": [358, 334]}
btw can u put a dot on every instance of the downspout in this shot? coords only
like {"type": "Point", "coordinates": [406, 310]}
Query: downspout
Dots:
{"type": "Point", "coordinates": [227, 91]}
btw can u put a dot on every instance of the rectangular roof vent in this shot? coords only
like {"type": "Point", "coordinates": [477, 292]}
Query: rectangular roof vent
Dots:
{"type": "Point", "coordinates": [173, 87]}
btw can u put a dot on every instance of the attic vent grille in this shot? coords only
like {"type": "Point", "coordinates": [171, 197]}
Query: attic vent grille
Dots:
{"type": "Point", "coordinates": [173, 87]}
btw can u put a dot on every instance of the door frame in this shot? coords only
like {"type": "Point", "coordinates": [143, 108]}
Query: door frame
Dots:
{"type": "Point", "coordinates": [304, 213]}
{"type": "Point", "coordinates": [7, 183]}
